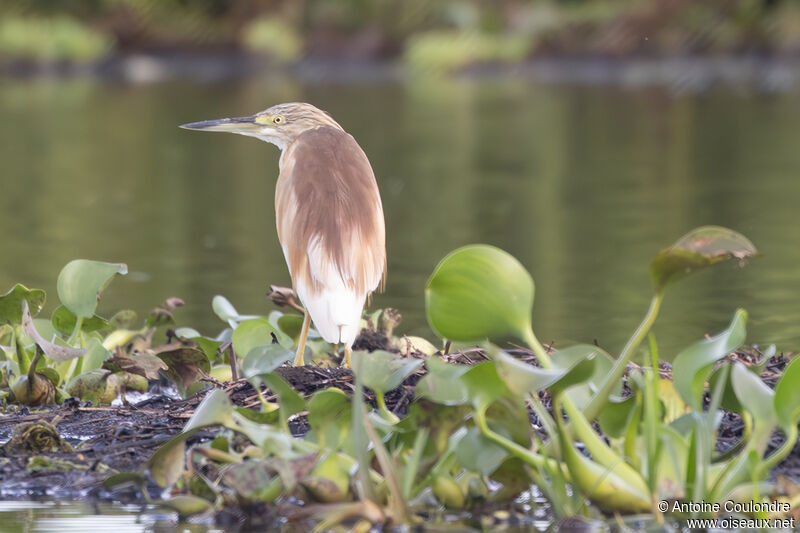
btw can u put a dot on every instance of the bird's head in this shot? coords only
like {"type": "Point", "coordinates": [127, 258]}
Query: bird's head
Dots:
{"type": "Point", "coordinates": [280, 124]}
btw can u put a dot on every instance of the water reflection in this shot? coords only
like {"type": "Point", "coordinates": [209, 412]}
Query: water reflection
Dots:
{"type": "Point", "coordinates": [582, 184]}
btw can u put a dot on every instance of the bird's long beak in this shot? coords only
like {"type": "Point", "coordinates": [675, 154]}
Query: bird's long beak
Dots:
{"type": "Point", "coordinates": [243, 125]}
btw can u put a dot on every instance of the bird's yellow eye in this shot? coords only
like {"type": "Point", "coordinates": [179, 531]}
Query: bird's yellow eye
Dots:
{"type": "Point", "coordinates": [278, 120]}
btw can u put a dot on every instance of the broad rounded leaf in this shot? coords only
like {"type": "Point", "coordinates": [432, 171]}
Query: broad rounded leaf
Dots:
{"type": "Point", "coordinates": [479, 292]}
{"type": "Point", "coordinates": [262, 360]}
{"type": "Point", "coordinates": [383, 371]}
{"type": "Point", "coordinates": [700, 248]}
{"type": "Point", "coordinates": [477, 453]}
{"type": "Point", "coordinates": [787, 395]}
{"type": "Point", "coordinates": [442, 384]}
{"type": "Point", "coordinates": [257, 332]}
{"type": "Point", "coordinates": [11, 303]}
{"type": "Point", "coordinates": [81, 282]}
{"type": "Point", "coordinates": [63, 321]}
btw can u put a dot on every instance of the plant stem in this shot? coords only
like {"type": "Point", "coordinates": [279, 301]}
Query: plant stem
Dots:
{"type": "Point", "coordinates": [383, 410]}
{"type": "Point", "coordinates": [600, 398]}
{"type": "Point", "coordinates": [537, 348]}
{"type": "Point", "coordinates": [527, 456]}
{"type": "Point", "coordinates": [76, 330]}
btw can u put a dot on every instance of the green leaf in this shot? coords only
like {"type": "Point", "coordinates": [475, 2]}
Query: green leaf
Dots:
{"type": "Point", "coordinates": [615, 416]}
{"type": "Point", "coordinates": [752, 393]}
{"type": "Point", "coordinates": [581, 394]}
{"type": "Point", "coordinates": [64, 322]}
{"type": "Point", "coordinates": [479, 292]}
{"type": "Point", "coordinates": [261, 360]}
{"type": "Point", "coordinates": [290, 324]}
{"type": "Point", "coordinates": [522, 378]}
{"type": "Point", "coordinates": [442, 384]}
{"type": "Point", "coordinates": [484, 385]}
{"type": "Point", "coordinates": [187, 505]}
{"type": "Point", "coordinates": [787, 395]}
{"type": "Point", "coordinates": [477, 453]}
{"type": "Point", "coordinates": [382, 371]}
{"type": "Point", "coordinates": [519, 376]}
{"type": "Point", "coordinates": [95, 356]}
{"type": "Point", "coordinates": [215, 409]}
{"type": "Point", "coordinates": [257, 332]}
{"type": "Point", "coordinates": [11, 303]}
{"type": "Point", "coordinates": [693, 365]}
{"type": "Point", "coordinates": [698, 249]}
{"type": "Point", "coordinates": [81, 282]}
{"type": "Point", "coordinates": [289, 401]}
{"type": "Point", "coordinates": [329, 415]}
{"type": "Point", "coordinates": [166, 464]}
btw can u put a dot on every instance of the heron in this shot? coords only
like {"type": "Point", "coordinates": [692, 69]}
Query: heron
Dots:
{"type": "Point", "coordinates": [328, 215]}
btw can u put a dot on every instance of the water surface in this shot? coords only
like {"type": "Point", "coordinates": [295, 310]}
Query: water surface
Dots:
{"type": "Point", "coordinates": [582, 184]}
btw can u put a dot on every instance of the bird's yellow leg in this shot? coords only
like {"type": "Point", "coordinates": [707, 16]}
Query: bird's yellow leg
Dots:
{"type": "Point", "coordinates": [301, 342]}
{"type": "Point", "coordinates": [347, 352]}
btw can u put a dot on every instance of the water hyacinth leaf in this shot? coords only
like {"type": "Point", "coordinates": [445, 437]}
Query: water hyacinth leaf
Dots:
{"type": "Point", "coordinates": [261, 360]}
{"type": "Point", "coordinates": [215, 409]}
{"type": "Point", "coordinates": [693, 365]}
{"type": "Point", "coordinates": [290, 324]}
{"type": "Point", "coordinates": [11, 303]}
{"type": "Point", "coordinates": [81, 282]}
{"type": "Point", "coordinates": [209, 346]}
{"type": "Point", "coordinates": [698, 249]}
{"type": "Point", "coordinates": [615, 416]}
{"type": "Point", "coordinates": [519, 376]}
{"type": "Point", "coordinates": [329, 415]}
{"type": "Point", "coordinates": [185, 365]}
{"type": "Point", "coordinates": [257, 332]}
{"type": "Point", "coordinates": [289, 400]}
{"type": "Point", "coordinates": [224, 309]}
{"type": "Point", "coordinates": [166, 464]}
{"type": "Point", "coordinates": [52, 350]}
{"type": "Point", "coordinates": [187, 505]}
{"type": "Point", "coordinates": [787, 395]}
{"type": "Point", "coordinates": [484, 385]}
{"type": "Point", "coordinates": [603, 363]}
{"type": "Point", "coordinates": [753, 393]}
{"type": "Point", "coordinates": [580, 372]}
{"type": "Point", "coordinates": [382, 371]}
{"type": "Point", "coordinates": [442, 384]}
{"type": "Point", "coordinates": [479, 292]}
{"type": "Point", "coordinates": [64, 320]}
{"type": "Point", "coordinates": [95, 356]}
{"type": "Point", "coordinates": [123, 478]}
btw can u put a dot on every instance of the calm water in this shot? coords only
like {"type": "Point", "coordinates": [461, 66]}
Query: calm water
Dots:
{"type": "Point", "coordinates": [583, 185]}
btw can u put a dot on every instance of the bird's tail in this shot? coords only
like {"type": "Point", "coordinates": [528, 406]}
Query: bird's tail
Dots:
{"type": "Point", "coordinates": [336, 313]}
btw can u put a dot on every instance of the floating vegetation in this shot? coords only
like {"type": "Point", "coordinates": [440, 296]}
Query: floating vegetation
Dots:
{"type": "Point", "coordinates": [413, 428]}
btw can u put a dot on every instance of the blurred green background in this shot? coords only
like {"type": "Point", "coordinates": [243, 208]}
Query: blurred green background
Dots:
{"type": "Point", "coordinates": [583, 182]}
{"type": "Point", "coordinates": [440, 35]}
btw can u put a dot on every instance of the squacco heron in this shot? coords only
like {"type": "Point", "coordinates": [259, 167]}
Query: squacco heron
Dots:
{"type": "Point", "coordinates": [328, 213]}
